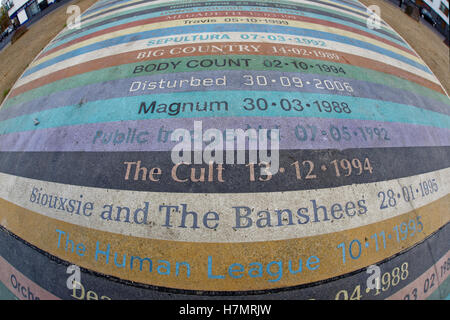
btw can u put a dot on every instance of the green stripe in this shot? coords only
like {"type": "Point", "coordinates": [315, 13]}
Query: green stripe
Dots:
{"type": "Point", "coordinates": [256, 63]}
{"type": "Point", "coordinates": [123, 109]}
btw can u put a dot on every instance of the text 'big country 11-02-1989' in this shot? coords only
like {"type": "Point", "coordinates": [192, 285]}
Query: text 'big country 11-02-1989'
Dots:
{"type": "Point", "coordinates": [327, 143]}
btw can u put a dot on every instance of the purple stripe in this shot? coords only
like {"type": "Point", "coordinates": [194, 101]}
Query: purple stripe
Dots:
{"type": "Point", "coordinates": [152, 134]}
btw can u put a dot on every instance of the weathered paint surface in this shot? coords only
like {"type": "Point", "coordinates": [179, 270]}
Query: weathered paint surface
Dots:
{"type": "Point", "coordinates": [86, 176]}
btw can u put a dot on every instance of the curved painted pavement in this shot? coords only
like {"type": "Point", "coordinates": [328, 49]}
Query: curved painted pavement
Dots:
{"type": "Point", "coordinates": [87, 178]}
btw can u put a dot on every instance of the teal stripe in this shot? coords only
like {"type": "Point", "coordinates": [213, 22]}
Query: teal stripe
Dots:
{"type": "Point", "coordinates": [256, 63]}
{"type": "Point", "coordinates": [122, 109]}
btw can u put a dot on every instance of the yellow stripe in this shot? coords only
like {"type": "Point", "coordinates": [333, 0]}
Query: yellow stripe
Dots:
{"type": "Point", "coordinates": [41, 232]}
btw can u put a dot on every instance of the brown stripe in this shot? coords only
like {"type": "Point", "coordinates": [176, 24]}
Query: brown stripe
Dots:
{"type": "Point", "coordinates": [265, 49]}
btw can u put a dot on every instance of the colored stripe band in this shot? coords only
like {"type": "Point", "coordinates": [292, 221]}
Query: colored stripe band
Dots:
{"type": "Point", "coordinates": [119, 55]}
{"type": "Point", "coordinates": [91, 45]}
{"type": "Point", "coordinates": [442, 292]}
{"type": "Point", "coordinates": [144, 10]}
{"type": "Point", "coordinates": [150, 135]}
{"type": "Point", "coordinates": [53, 276]}
{"type": "Point", "coordinates": [22, 287]}
{"type": "Point", "coordinates": [112, 22]}
{"type": "Point", "coordinates": [108, 169]}
{"type": "Point", "coordinates": [238, 16]}
{"type": "Point", "coordinates": [185, 62]}
{"type": "Point", "coordinates": [175, 5]}
{"type": "Point", "coordinates": [223, 80]}
{"type": "Point", "coordinates": [5, 294]}
{"type": "Point", "coordinates": [427, 283]}
{"type": "Point", "coordinates": [239, 217]}
{"type": "Point", "coordinates": [222, 104]}
{"type": "Point", "coordinates": [198, 267]}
